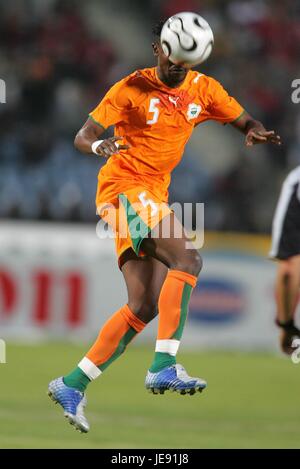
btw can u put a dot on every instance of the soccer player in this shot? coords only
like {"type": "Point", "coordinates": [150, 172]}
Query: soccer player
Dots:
{"type": "Point", "coordinates": [154, 112]}
{"type": "Point", "coordinates": [286, 249]}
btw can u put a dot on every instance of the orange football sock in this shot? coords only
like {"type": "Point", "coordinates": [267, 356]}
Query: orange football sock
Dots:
{"type": "Point", "coordinates": [114, 336]}
{"type": "Point", "coordinates": [111, 342]}
{"type": "Point", "coordinates": [173, 308]}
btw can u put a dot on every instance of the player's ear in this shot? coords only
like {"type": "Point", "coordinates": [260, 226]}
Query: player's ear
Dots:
{"type": "Point", "coordinates": [155, 48]}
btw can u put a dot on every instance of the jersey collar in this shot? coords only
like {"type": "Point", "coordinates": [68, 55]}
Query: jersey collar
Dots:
{"type": "Point", "coordinates": [166, 87]}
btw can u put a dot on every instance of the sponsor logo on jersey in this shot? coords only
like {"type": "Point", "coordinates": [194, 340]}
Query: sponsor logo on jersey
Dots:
{"type": "Point", "coordinates": [174, 100]}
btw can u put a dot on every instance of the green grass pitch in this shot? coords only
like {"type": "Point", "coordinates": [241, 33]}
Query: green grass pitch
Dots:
{"type": "Point", "coordinates": [252, 401]}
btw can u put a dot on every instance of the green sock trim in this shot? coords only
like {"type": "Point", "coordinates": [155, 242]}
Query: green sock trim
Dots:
{"type": "Point", "coordinates": [77, 379]}
{"type": "Point", "coordinates": [186, 295]}
{"type": "Point", "coordinates": [161, 361]}
{"type": "Point", "coordinates": [130, 334]}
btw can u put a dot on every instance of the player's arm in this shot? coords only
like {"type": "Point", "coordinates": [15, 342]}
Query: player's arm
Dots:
{"type": "Point", "coordinates": [224, 108]}
{"type": "Point", "coordinates": [255, 131]}
{"type": "Point", "coordinates": [89, 135]}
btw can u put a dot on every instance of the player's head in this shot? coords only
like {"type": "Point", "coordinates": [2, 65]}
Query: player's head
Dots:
{"type": "Point", "coordinates": [171, 74]}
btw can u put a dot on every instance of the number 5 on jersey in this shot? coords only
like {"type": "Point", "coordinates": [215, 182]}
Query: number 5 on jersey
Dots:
{"type": "Point", "coordinates": [154, 110]}
{"type": "Point", "coordinates": [148, 202]}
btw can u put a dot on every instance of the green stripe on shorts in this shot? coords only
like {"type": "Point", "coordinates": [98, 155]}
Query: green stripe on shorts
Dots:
{"type": "Point", "coordinates": [137, 227]}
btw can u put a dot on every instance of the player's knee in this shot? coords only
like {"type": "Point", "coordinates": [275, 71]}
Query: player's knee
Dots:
{"type": "Point", "coordinates": [286, 278]}
{"type": "Point", "coordinates": [145, 311]}
{"type": "Point", "coordinates": [287, 271]}
{"type": "Point", "coordinates": [191, 262]}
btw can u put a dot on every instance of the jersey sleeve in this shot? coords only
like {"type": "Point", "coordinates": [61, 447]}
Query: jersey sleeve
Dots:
{"type": "Point", "coordinates": [222, 108]}
{"type": "Point", "coordinates": [112, 109]}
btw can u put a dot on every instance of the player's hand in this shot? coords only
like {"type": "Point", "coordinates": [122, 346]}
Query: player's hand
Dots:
{"type": "Point", "coordinates": [110, 146]}
{"type": "Point", "coordinates": [255, 136]}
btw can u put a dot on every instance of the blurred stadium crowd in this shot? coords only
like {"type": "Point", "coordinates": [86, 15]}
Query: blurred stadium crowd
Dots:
{"type": "Point", "coordinates": [57, 65]}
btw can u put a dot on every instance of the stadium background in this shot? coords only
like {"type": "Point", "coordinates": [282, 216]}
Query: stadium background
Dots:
{"type": "Point", "coordinates": [59, 282]}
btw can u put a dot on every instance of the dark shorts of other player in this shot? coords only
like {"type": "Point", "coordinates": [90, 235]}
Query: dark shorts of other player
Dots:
{"type": "Point", "coordinates": [286, 223]}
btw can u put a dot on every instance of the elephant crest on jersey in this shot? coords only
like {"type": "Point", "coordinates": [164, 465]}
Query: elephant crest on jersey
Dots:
{"type": "Point", "coordinates": [193, 111]}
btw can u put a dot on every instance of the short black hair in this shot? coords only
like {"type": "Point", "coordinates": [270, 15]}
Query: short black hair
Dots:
{"type": "Point", "coordinates": [157, 27]}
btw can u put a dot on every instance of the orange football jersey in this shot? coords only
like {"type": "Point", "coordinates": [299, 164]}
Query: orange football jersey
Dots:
{"type": "Point", "coordinates": [156, 121]}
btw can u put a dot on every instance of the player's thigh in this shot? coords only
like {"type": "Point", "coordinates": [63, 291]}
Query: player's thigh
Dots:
{"type": "Point", "coordinates": [169, 244]}
{"type": "Point", "coordinates": [144, 277]}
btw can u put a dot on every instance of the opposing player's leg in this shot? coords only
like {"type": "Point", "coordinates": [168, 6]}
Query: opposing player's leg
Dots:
{"type": "Point", "coordinates": [287, 295]}
{"type": "Point", "coordinates": [184, 267]}
{"type": "Point", "coordinates": [286, 250]}
{"type": "Point", "coordinates": [144, 278]}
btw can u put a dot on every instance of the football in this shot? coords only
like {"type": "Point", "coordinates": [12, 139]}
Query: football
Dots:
{"type": "Point", "coordinates": [187, 39]}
